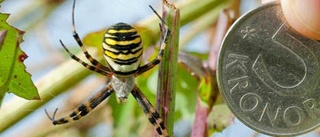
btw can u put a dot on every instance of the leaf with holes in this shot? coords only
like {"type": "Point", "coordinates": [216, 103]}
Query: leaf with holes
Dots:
{"type": "Point", "coordinates": [13, 77]}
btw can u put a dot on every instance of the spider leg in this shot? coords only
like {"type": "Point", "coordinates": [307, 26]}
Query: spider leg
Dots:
{"type": "Point", "coordinates": [84, 108]}
{"type": "Point", "coordinates": [85, 51]}
{"type": "Point", "coordinates": [149, 110]}
{"type": "Point", "coordinates": [165, 32]}
{"type": "Point", "coordinates": [88, 66]}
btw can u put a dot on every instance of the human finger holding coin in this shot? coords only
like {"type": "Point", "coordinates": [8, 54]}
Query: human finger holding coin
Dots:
{"type": "Point", "coordinates": [302, 15]}
{"type": "Point", "coordinates": [268, 73]}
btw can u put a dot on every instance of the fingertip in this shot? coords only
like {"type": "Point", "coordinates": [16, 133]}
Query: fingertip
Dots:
{"type": "Point", "coordinates": [266, 1]}
{"type": "Point", "coordinates": [303, 16]}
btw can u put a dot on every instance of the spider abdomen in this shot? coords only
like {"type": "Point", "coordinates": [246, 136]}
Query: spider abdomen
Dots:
{"type": "Point", "coordinates": [122, 48]}
{"type": "Point", "coordinates": [122, 86]}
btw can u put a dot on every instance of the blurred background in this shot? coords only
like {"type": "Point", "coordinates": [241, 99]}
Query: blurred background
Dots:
{"type": "Point", "coordinates": [47, 21]}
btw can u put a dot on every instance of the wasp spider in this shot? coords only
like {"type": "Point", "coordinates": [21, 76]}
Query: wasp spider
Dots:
{"type": "Point", "coordinates": [123, 52]}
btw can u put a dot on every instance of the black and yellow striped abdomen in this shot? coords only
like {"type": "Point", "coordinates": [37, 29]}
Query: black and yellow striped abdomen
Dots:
{"type": "Point", "coordinates": [122, 48]}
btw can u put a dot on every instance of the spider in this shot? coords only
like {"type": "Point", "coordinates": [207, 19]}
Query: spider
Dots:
{"type": "Point", "coordinates": [122, 50]}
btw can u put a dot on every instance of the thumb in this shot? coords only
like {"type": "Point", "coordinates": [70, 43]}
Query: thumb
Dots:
{"type": "Point", "coordinates": [303, 16]}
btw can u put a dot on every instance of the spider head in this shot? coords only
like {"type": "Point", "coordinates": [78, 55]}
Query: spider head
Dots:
{"type": "Point", "coordinates": [122, 48]}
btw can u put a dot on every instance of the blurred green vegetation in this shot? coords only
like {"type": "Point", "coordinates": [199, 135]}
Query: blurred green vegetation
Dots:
{"type": "Point", "coordinates": [125, 119]}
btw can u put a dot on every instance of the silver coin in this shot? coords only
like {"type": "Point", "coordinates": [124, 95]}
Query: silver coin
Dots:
{"type": "Point", "coordinates": [269, 74]}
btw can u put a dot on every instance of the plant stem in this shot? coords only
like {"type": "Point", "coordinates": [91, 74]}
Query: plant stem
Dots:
{"type": "Point", "coordinates": [51, 85]}
{"type": "Point", "coordinates": [168, 68]}
{"type": "Point", "coordinates": [190, 10]}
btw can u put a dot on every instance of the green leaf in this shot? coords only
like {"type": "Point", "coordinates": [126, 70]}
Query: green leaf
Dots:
{"type": "Point", "coordinates": [13, 77]}
{"type": "Point", "coordinates": [219, 118]}
{"type": "Point", "coordinates": [207, 95]}
{"type": "Point", "coordinates": [186, 94]}
{"type": "Point", "coordinates": [95, 39]}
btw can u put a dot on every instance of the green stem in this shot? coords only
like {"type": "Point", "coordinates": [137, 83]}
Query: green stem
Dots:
{"type": "Point", "coordinates": [200, 25]}
{"type": "Point", "coordinates": [190, 10]}
{"type": "Point", "coordinates": [168, 68]}
{"type": "Point", "coordinates": [51, 85]}
{"type": "Point", "coordinates": [34, 13]}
